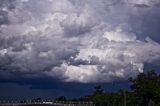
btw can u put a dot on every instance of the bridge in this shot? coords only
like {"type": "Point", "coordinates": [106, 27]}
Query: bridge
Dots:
{"type": "Point", "coordinates": [46, 103]}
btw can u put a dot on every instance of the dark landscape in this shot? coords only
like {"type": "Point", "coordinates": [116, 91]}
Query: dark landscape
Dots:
{"type": "Point", "coordinates": [80, 52]}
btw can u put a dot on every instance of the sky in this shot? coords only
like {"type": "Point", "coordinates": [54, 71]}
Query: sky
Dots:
{"type": "Point", "coordinates": [50, 48]}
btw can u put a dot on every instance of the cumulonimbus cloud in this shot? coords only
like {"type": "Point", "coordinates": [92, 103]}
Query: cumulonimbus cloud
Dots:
{"type": "Point", "coordinates": [72, 40]}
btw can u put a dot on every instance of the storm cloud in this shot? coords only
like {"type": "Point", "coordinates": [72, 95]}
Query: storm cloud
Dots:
{"type": "Point", "coordinates": [83, 41]}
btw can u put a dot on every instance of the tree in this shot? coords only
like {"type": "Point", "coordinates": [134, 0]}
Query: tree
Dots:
{"type": "Point", "coordinates": [98, 96]}
{"type": "Point", "coordinates": [146, 87]}
{"type": "Point", "coordinates": [98, 89]}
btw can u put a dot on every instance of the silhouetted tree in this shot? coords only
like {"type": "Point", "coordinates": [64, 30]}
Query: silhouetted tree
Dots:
{"type": "Point", "coordinates": [146, 87]}
{"type": "Point", "coordinates": [61, 98]}
{"type": "Point", "coordinates": [98, 89]}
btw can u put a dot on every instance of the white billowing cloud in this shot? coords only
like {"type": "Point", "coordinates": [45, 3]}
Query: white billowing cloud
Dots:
{"type": "Point", "coordinates": [73, 41]}
{"type": "Point", "coordinates": [24, 0]}
{"type": "Point", "coordinates": [119, 35]}
{"type": "Point", "coordinates": [82, 73]}
{"type": "Point", "coordinates": [139, 1]}
{"type": "Point", "coordinates": [114, 57]}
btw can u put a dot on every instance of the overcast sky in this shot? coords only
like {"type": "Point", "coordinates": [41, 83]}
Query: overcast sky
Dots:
{"type": "Point", "coordinates": [71, 42]}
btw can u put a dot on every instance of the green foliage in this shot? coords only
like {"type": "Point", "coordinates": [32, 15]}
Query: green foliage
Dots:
{"type": "Point", "coordinates": [145, 91]}
{"type": "Point", "coordinates": [101, 98]}
{"type": "Point", "coordinates": [146, 88]}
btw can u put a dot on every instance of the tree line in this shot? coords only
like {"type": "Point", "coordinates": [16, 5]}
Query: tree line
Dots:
{"type": "Point", "coordinates": [145, 91]}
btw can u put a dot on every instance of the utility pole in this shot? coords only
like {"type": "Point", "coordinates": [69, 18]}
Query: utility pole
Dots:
{"type": "Point", "coordinates": [124, 95]}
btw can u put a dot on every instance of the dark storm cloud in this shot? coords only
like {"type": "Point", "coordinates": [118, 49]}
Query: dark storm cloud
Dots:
{"type": "Point", "coordinates": [157, 5]}
{"type": "Point", "coordinates": [147, 23]}
{"type": "Point", "coordinates": [5, 6]}
{"type": "Point", "coordinates": [78, 40]}
{"type": "Point", "coordinates": [141, 5]}
{"type": "Point", "coordinates": [3, 17]}
{"type": "Point", "coordinates": [54, 87]}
